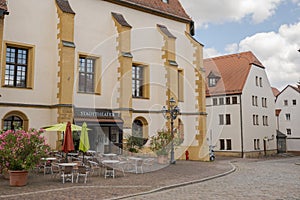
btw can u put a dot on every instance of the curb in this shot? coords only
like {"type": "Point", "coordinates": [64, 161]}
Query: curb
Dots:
{"type": "Point", "coordinates": [179, 184]}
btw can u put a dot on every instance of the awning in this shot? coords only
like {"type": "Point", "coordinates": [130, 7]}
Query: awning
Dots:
{"type": "Point", "coordinates": [99, 120]}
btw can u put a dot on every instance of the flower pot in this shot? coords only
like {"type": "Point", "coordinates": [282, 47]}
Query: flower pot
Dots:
{"type": "Point", "coordinates": [162, 159]}
{"type": "Point", "coordinates": [18, 178]}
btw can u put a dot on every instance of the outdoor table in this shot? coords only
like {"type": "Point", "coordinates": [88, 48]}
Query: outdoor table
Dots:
{"type": "Point", "coordinates": [73, 154]}
{"type": "Point", "coordinates": [49, 159]}
{"type": "Point", "coordinates": [138, 162]}
{"type": "Point", "coordinates": [109, 167]}
{"type": "Point", "coordinates": [67, 164]}
{"type": "Point", "coordinates": [110, 155]}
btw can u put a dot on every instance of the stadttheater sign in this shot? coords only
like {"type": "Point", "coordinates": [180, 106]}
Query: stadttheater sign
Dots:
{"type": "Point", "coordinates": [94, 113]}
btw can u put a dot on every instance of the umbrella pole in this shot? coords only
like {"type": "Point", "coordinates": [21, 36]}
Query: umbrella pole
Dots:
{"type": "Point", "coordinates": [67, 157]}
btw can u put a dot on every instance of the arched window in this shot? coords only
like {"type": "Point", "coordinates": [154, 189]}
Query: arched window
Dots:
{"type": "Point", "coordinates": [12, 123]}
{"type": "Point", "coordinates": [137, 128]}
{"type": "Point", "coordinates": [14, 120]}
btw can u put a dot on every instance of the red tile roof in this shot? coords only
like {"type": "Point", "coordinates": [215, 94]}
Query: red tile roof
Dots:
{"type": "Point", "coordinates": [275, 91]}
{"type": "Point", "coordinates": [233, 71]}
{"type": "Point", "coordinates": [172, 9]}
{"type": "Point", "coordinates": [3, 5]}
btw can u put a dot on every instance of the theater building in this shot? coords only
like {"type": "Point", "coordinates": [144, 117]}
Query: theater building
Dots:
{"type": "Point", "coordinates": [110, 63]}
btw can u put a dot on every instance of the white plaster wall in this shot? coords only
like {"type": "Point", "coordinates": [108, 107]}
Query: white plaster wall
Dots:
{"type": "Point", "coordinates": [215, 131]}
{"type": "Point", "coordinates": [289, 94]}
{"type": "Point", "coordinates": [260, 132]}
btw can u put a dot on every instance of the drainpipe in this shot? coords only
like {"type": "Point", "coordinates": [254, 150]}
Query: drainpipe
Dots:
{"type": "Point", "coordinates": [241, 122]}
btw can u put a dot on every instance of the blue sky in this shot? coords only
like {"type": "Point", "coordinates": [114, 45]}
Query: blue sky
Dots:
{"type": "Point", "coordinates": [268, 28]}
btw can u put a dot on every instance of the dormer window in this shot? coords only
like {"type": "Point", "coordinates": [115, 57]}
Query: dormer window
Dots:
{"type": "Point", "coordinates": [165, 1]}
{"type": "Point", "coordinates": [213, 79]}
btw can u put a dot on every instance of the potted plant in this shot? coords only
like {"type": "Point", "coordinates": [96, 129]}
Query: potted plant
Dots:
{"type": "Point", "coordinates": [161, 144]}
{"type": "Point", "coordinates": [135, 143]}
{"type": "Point", "coordinates": [21, 151]}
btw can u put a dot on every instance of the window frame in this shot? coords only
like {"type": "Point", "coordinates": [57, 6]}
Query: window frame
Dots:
{"type": "Point", "coordinates": [86, 73]}
{"type": "Point", "coordinates": [29, 82]}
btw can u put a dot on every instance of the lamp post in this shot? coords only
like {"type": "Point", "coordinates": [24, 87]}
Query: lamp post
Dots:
{"type": "Point", "coordinates": [171, 114]}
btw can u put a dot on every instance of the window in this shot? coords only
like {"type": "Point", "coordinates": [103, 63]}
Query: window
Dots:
{"type": "Point", "coordinates": [285, 102]}
{"type": "Point", "coordinates": [86, 75]}
{"type": "Point", "coordinates": [212, 82]}
{"type": "Point", "coordinates": [215, 101]}
{"type": "Point", "coordinates": [137, 81]}
{"type": "Point", "coordinates": [234, 100]}
{"type": "Point", "coordinates": [221, 101]}
{"type": "Point", "coordinates": [265, 120]}
{"type": "Point", "coordinates": [221, 119]}
{"type": "Point", "coordinates": [12, 123]}
{"type": "Point", "coordinates": [287, 116]}
{"type": "Point", "coordinates": [222, 144]}
{"type": "Point", "coordinates": [256, 80]}
{"type": "Point", "coordinates": [264, 102]}
{"type": "Point", "coordinates": [288, 131]}
{"type": "Point", "coordinates": [137, 128]}
{"type": "Point", "coordinates": [180, 85]}
{"type": "Point", "coordinates": [227, 118]}
{"type": "Point", "coordinates": [256, 144]}
{"type": "Point", "coordinates": [255, 119]}
{"type": "Point", "coordinates": [228, 121]}
{"type": "Point", "coordinates": [228, 144]}
{"type": "Point", "coordinates": [294, 102]}
{"type": "Point", "coordinates": [212, 79]}
{"type": "Point", "coordinates": [165, 1]}
{"type": "Point", "coordinates": [227, 100]}
{"type": "Point", "coordinates": [16, 69]}
{"type": "Point", "coordinates": [260, 82]}
{"type": "Point", "coordinates": [254, 101]}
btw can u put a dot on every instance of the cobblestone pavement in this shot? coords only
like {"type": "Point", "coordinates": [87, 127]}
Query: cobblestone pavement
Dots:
{"type": "Point", "coordinates": [277, 179]}
{"type": "Point", "coordinates": [47, 187]}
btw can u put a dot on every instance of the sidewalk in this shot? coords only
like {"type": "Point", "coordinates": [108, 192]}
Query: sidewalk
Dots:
{"type": "Point", "coordinates": [45, 187]}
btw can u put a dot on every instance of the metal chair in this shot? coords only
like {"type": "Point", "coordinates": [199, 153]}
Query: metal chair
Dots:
{"type": "Point", "coordinates": [67, 172]}
{"type": "Point", "coordinates": [82, 171]}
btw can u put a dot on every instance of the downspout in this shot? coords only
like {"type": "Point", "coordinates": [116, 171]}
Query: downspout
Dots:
{"type": "Point", "coordinates": [241, 122]}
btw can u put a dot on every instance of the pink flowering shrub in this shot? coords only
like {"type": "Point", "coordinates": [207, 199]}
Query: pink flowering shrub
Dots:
{"type": "Point", "coordinates": [21, 150]}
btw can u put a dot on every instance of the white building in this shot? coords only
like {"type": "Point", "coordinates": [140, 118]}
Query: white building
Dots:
{"type": "Point", "coordinates": [288, 108]}
{"type": "Point", "coordinates": [111, 63]}
{"type": "Point", "coordinates": [240, 106]}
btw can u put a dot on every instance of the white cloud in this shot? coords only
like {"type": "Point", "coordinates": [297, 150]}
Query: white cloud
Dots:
{"type": "Point", "coordinates": [220, 11]}
{"type": "Point", "coordinates": [276, 50]}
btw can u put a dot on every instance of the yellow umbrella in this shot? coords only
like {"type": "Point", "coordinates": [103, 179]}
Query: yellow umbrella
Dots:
{"type": "Point", "coordinates": [84, 144]}
{"type": "Point", "coordinates": [62, 127]}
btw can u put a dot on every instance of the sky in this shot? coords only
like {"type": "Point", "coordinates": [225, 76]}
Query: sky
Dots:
{"type": "Point", "coordinates": [268, 28]}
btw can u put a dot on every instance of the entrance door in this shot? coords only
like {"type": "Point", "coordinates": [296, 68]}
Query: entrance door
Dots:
{"type": "Point", "coordinates": [101, 139]}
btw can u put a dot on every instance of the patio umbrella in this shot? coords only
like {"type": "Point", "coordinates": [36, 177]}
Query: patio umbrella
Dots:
{"type": "Point", "coordinates": [68, 144]}
{"type": "Point", "coordinates": [84, 144]}
{"type": "Point", "coordinates": [62, 127]}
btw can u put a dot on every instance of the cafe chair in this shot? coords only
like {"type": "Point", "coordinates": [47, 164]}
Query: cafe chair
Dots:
{"type": "Point", "coordinates": [82, 171]}
{"type": "Point", "coordinates": [67, 172]}
{"type": "Point", "coordinates": [55, 170]}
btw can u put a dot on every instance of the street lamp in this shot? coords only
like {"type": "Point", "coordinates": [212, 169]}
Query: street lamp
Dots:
{"type": "Point", "coordinates": [171, 114]}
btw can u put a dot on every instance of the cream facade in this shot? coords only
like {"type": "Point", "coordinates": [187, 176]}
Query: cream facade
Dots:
{"type": "Point", "coordinates": [109, 64]}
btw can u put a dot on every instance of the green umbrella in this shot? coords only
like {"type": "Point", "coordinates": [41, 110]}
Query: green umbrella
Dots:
{"type": "Point", "coordinates": [84, 144]}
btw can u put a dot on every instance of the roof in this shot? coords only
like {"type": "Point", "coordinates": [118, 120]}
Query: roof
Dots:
{"type": "Point", "coordinates": [275, 91]}
{"type": "Point", "coordinates": [231, 72]}
{"type": "Point", "coordinates": [171, 9]}
{"type": "Point", "coordinates": [291, 86]}
{"type": "Point", "coordinates": [3, 5]}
